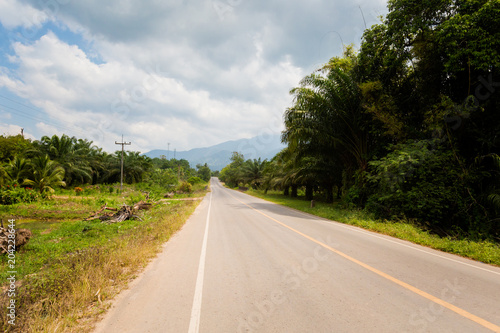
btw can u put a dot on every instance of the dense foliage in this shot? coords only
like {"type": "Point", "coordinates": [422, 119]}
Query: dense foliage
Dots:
{"type": "Point", "coordinates": [33, 169]}
{"type": "Point", "coordinates": [240, 171]}
{"type": "Point", "coordinates": [408, 126]}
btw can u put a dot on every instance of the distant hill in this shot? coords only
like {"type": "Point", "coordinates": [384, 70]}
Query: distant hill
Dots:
{"type": "Point", "coordinates": [218, 156]}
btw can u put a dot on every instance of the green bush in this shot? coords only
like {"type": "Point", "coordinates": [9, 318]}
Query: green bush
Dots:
{"type": "Point", "coordinates": [162, 178]}
{"type": "Point", "coordinates": [194, 180]}
{"type": "Point", "coordinates": [10, 195]}
{"type": "Point", "coordinates": [420, 180]}
{"type": "Point", "coordinates": [185, 187]}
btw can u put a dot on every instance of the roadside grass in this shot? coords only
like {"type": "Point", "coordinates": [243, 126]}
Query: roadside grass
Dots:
{"type": "Point", "coordinates": [71, 269]}
{"type": "Point", "coordinates": [484, 251]}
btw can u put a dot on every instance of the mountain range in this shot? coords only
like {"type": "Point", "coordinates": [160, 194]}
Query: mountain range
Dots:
{"type": "Point", "coordinates": [218, 156]}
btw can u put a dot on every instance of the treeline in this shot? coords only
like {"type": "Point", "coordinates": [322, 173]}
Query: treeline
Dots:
{"type": "Point", "coordinates": [239, 171]}
{"type": "Point", "coordinates": [67, 161]}
{"type": "Point", "coordinates": [408, 126]}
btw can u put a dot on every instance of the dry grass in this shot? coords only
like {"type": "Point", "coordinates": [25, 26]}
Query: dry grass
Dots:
{"type": "Point", "coordinates": [70, 292]}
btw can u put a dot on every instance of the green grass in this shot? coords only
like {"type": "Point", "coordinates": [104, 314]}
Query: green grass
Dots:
{"type": "Point", "coordinates": [71, 268]}
{"type": "Point", "coordinates": [484, 251]}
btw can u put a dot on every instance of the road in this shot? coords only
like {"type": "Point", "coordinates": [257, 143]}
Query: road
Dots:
{"type": "Point", "coordinates": [242, 264]}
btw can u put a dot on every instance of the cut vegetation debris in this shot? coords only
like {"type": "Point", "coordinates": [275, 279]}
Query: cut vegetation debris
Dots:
{"type": "Point", "coordinates": [122, 214]}
{"type": "Point", "coordinates": [22, 236]}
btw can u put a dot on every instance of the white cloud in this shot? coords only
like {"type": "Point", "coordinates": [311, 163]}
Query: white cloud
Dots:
{"type": "Point", "coordinates": [48, 130]}
{"type": "Point", "coordinates": [10, 129]}
{"type": "Point", "coordinates": [14, 14]}
{"type": "Point", "coordinates": [177, 71]}
{"type": "Point", "coordinates": [114, 97]}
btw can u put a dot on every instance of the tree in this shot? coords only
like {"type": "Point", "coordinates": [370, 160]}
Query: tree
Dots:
{"type": "Point", "coordinates": [419, 104]}
{"type": "Point", "coordinates": [46, 175]}
{"type": "Point", "coordinates": [12, 146]}
{"type": "Point", "coordinates": [231, 174]}
{"type": "Point", "coordinates": [252, 172]}
{"type": "Point", "coordinates": [135, 167]}
{"type": "Point", "coordinates": [327, 127]}
{"type": "Point", "coordinates": [204, 172]}
{"type": "Point", "coordinates": [427, 75]}
{"type": "Point", "coordinates": [71, 154]}
{"type": "Point", "coordinates": [3, 175]}
{"type": "Point", "coordinates": [17, 170]}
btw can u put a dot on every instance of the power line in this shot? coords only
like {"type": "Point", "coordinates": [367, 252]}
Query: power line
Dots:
{"type": "Point", "coordinates": [21, 113]}
{"type": "Point", "coordinates": [12, 100]}
{"type": "Point", "coordinates": [29, 116]}
{"type": "Point", "coordinates": [362, 14]}
{"type": "Point", "coordinates": [32, 117]}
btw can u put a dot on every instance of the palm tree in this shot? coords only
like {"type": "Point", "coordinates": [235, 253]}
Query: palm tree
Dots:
{"type": "Point", "coordinates": [278, 174]}
{"type": "Point", "coordinates": [327, 125]}
{"type": "Point", "coordinates": [46, 175]}
{"type": "Point", "coordinates": [328, 114]}
{"type": "Point", "coordinates": [71, 154]}
{"type": "Point", "coordinates": [252, 172]}
{"type": "Point", "coordinates": [3, 175]}
{"type": "Point", "coordinates": [135, 167]}
{"type": "Point", "coordinates": [17, 170]}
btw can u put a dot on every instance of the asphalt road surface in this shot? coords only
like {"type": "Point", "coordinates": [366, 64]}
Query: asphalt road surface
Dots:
{"type": "Point", "coordinates": [241, 264]}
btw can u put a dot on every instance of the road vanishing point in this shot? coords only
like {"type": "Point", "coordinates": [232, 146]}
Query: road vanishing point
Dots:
{"type": "Point", "coordinates": [242, 264]}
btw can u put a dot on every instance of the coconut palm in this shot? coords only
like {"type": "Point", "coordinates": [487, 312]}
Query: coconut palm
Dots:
{"type": "Point", "coordinates": [46, 175]}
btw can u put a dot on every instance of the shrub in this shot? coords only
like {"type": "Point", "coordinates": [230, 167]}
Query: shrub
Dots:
{"type": "Point", "coordinates": [78, 190]}
{"type": "Point", "coordinates": [420, 180]}
{"type": "Point", "coordinates": [163, 178]}
{"type": "Point", "coordinates": [194, 180]}
{"type": "Point", "coordinates": [185, 187]}
{"type": "Point", "coordinates": [10, 195]}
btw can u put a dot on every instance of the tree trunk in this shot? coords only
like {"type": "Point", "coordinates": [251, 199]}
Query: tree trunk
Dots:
{"type": "Point", "coordinates": [309, 192]}
{"type": "Point", "coordinates": [286, 191]}
{"type": "Point", "coordinates": [329, 194]}
{"type": "Point", "coordinates": [294, 191]}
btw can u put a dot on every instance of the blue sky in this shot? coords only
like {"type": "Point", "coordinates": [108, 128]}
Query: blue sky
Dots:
{"type": "Point", "coordinates": [188, 73]}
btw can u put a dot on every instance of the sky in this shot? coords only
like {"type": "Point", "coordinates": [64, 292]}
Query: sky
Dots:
{"type": "Point", "coordinates": [175, 74]}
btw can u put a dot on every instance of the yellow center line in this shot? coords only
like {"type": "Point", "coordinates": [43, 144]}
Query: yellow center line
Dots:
{"type": "Point", "coordinates": [405, 285]}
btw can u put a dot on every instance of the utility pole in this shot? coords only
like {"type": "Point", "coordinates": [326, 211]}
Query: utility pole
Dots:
{"type": "Point", "coordinates": [168, 150]}
{"type": "Point", "coordinates": [123, 143]}
{"type": "Point", "coordinates": [175, 150]}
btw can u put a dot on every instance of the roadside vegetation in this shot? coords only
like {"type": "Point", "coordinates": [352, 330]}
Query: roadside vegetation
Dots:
{"type": "Point", "coordinates": [403, 129]}
{"type": "Point", "coordinates": [72, 267]}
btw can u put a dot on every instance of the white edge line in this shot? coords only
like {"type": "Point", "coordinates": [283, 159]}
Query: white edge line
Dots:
{"type": "Point", "coordinates": [374, 234]}
{"type": "Point", "coordinates": [194, 323]}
